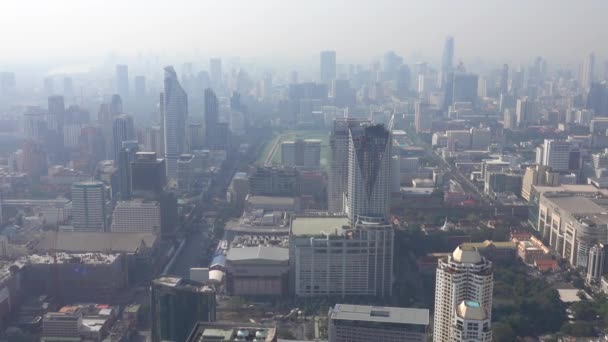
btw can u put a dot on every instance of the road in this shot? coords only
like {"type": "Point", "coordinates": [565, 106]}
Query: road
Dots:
{"type": "Point", "coordinates": [191, 255]}
{"type": "Point", "coordinates": [197, 243]}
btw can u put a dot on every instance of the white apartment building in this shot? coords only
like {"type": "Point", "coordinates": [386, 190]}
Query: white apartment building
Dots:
{"type": "Point", "coordinates": [302, 153]}
{"type": "Point", "coordinates": [136, 216]}
{"type": "Point", "coordinates": [471, 323]}
{"type": "Point", "coordinates": [463, 276]}
{"type": "Point", "coordinates": [327, 258]}
{"type": "Point", "coordinates": [89, 206]}
{"type": "Point", "coordinates": [338, 162]}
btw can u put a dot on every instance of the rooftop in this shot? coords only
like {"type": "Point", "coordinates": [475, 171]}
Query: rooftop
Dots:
{"type": "Point", "coordinates": [574, 204]}
{"type": "Point", "coordinates": [382, 314]}
{"type": "Point", "coordinates": [270, 200]}
{"type": "Point", "coordinates": [258, 253]}
{"type": "Point", "coordinates": [466, 254]}
{"type": "Point", "coordinates": [471, 310]}
{"type": "Point", "coordinates": [217, 332]}
{"type": "Point", "coordinates": [94, 241]}
{"type": "Point", "coordinates": [317, 225]}
{"type": "Point", "coordinates": [488, 243]}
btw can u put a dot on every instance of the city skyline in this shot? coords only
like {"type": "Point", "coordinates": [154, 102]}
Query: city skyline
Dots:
{"type": "Point", "coordinates": [233, 28]}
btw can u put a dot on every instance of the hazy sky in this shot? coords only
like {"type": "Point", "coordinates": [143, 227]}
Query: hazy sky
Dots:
{"type": "Point", "coordinates": [506, 30]}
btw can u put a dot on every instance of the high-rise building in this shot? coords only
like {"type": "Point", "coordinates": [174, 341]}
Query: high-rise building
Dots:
{"type": "Point", "coordinates": [319, 270]}
{"type": "Point", "coordinates": [177, 305]}
{"type": "Point", "coordinates": [342, 94]}
{"type": "Point", "coordinates": [34, 162]}
{"type": "Point", "coordinates": [212, 112]}
{"type": "Point", "coordinates": [369, 158]}
{"type": "Point", "coordinates": [122, 130]}
{"type": "Point", "coordinates": [561, 155]}
{"type": "Point", "coordinates": [504, 79]}
{"type": "Point", "coordinates": [509, 119]}
{"type": "Point", "coordinates": [301, 153]}
{"type": "Point", "coordinates": [447, 61]}
{"type": "Point", "coordinates": [464, 88]}
{"type": "Point", "coordinates": [587, 71]}
{"type": "Point", "coordinates": [125, 157]}
{"type": "Point", "coordinates": [215, 72]}
{"type": "Point", "coordinates": [595, 265]}
{"type": "Point", "coordinates": [463, 276]}
{"type": "Point", "coordinates": [471, 322]}
{"type": "Point", "coordinates": [136, 216]}
{"type": "Point", "coordinates": [122, 81]}
{"type": "Point", "coordinates": [362, 323]}
{"type": "Point", "coordinates": [338, 162]}
{"type": "Point", "coordinates": [525, 112]}
{"type": "Point", "coordinates": [328, 66]}
{"type": "Point", "coordinates": [423, 117]}
{"type": "Point", "coordinates": [148, 175]}
{"type": "Point", "coordinates": [195, 138]}
{"type": "Point", "coordinates": [56, 113]}
{"type": "Point", "coordinates": [597, 98]}
{"type": "Point", "coordinates": [175, 112]}
{"type": "Point", "coordinates": [185, 172]}
{"type": "Point", "coordinates": [89, 206]}
{"type": "Point", "coordinates": [274, 181]}
{"type": "Point", "coordinates": [537, 175]}
{"type": "Point", "coordinates": [54, 122]}
{"type": "Point", "coordinates": [116, 106]}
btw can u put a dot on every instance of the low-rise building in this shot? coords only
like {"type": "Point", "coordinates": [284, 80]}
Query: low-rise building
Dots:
{"type": "Point", "coordinates": [227, 332]}
{"type": "Point", "coordinates": [494, 250]}
{"type": "Point", "coordinates": [257, 271]}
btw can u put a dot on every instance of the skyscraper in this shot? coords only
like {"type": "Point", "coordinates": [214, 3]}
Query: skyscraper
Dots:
{"type": "Point", "coordinates": [524, 112]}
{"type": "Point", "coordinates": [148, 175]}
{"type": "Point", "coordinates": [504, 79]}
{"type": "Point", "coordinates": [122, 130]}
{"type": "Point", "coordinates": [55, 120]}
{"type": "Point", "coordinates": [447, 60]}
{"type": "Point", "coordinates": [215, 72]}
{"type": "Point", "coordinates": [126, 156]}
{"type": "Point", "coordinates": [464, 88]}
{"type": "Point", "coordinates": [115, 107]}
{"type": "Point", "coordinates": [122, 81]}
{"type": "Point", "coordinates": [56, 113]}
{"type": "Point", "coordinates": [471, 323]}
{"type": "Point", "coordinates": [177, 305]}
{"type": "Point", "coordinates": [561, 155]}
{"type": "Point", "coordinates": [88, 206]}
{"type": "Point", "coordinates": [328, 66]}
{"type": "Point", "coordinates": [464, 276]}
{"type": "Point", "coordinates": [587, 71]}
{"type": "Point", "coordinates": [211, 117]}
{"type": "Point", "coordinates": [423, 117]}
{"type": "Point", "coordinates": [338, 162]}
{"type": "Point", "coordinates": [175, 111]}
{"type": "Point", "coordinates": [369, 157]}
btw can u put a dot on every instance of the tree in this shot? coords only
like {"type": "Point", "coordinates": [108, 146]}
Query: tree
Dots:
{"type": "Point", "coordinates": [578, 329]}
{"type": "Point", "coordinates": [583, 311]}
{"type": "Point", "coordinates": [502, 332]}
